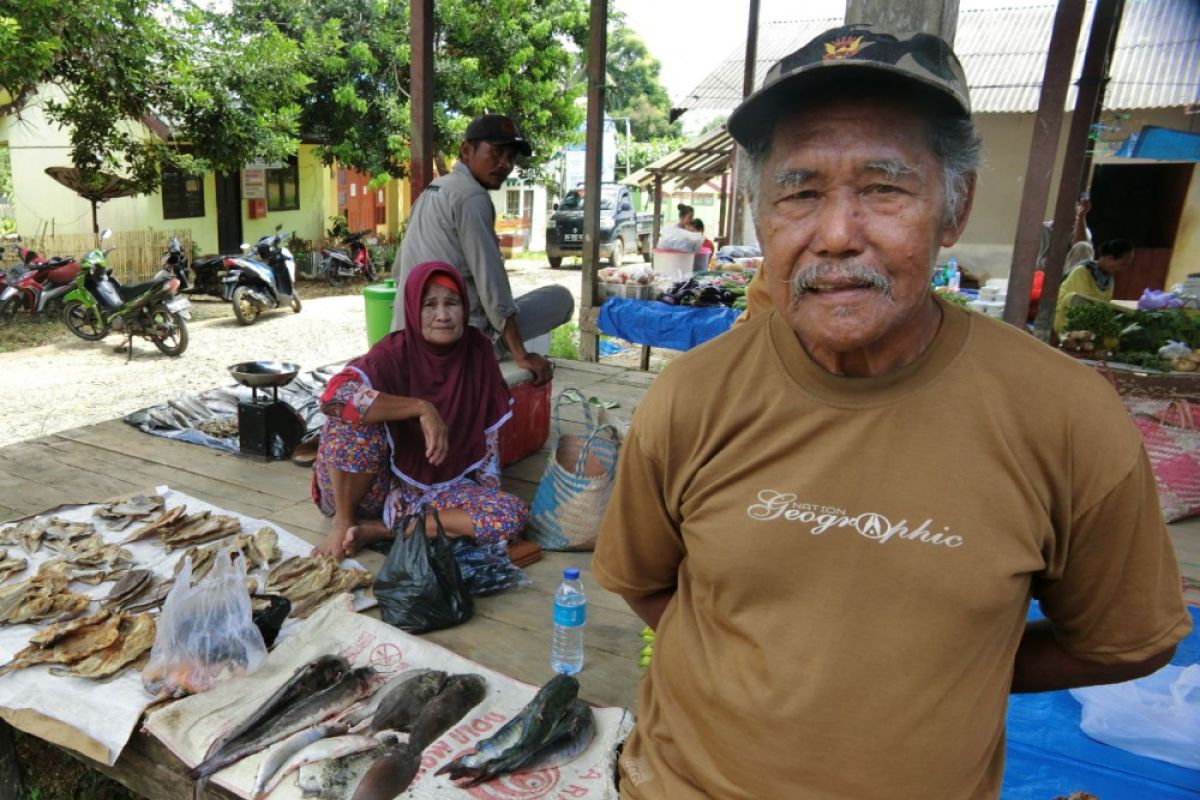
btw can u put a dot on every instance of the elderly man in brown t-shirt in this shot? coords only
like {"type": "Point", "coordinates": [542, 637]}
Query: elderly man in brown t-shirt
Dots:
{"type": "Point", "coordinates": [836, 515]}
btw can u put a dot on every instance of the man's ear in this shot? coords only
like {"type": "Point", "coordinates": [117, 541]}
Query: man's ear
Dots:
{"type": "Point", "coordinates": [466, 150]}
{"type": "Point", "coordinates": [954, 228]}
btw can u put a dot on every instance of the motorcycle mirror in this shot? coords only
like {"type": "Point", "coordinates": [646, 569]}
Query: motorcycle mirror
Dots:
{"type": "Point", "coordinates": [106, 234]}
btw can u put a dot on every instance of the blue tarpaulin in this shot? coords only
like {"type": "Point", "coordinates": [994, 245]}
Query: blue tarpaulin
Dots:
{"type": "Point", "coordinates": [1049, 756]}
{"type": "Point", "coordinates": [1165, 144]}
{"type": "Point", "coordinates": [661, 325]}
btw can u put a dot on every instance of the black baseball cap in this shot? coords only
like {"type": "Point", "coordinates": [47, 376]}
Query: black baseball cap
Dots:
{"type": "Point", "coordinates": [497, 129]}
{"type": "Point", "coordinates": [919, 59]}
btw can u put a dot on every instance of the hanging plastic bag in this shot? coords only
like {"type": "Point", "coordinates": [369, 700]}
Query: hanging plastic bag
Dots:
{"type": "Point", "coordinates": [1157, 716]}
{"type": "Point", "coordinates": [419, 588]}
{"type": "Point", "coordinates": [206, 633]}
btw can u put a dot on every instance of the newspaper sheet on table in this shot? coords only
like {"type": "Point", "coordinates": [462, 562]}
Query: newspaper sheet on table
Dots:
{"type": "Point", "coordinates": [188, 727]}
{"type": "Point", "coordinates": [70, 711]}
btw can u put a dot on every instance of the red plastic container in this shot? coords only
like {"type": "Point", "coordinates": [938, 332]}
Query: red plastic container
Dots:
{"type": "Point", "coordinates": [529, 427]}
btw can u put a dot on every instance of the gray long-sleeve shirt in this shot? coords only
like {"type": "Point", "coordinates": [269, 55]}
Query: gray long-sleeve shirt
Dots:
{"type": "Point", "coordinates": [454, 221]}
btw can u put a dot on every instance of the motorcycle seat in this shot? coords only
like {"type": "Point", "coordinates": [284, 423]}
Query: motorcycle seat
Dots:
{"type": "Point", "coordinates": [205, 261]}
{"type": "Point", "coordinates": [131, 290]}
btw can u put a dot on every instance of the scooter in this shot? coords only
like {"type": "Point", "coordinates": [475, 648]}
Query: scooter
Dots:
{"type": "Point", "coordinates": [262, 279]}
{"type": "Point", "coordinates": [99, 305]}
{"type": "Point", "coordinates": [340, 266]}
{"type": "Point", "coordinates": [37, 285]}
{"type": "Point", "coordinates": [205, 275]}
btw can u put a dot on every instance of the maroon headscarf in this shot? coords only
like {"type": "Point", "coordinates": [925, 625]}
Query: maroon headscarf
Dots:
{"type": "Point", "coordinates": [462, 380]}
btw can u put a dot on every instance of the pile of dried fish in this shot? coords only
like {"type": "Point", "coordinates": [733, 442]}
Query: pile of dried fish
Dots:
{"type": "Point", "coordinates": [261, 549]}
{"type": "Point", "coordinates": [308, 581]}
{"type": "Point", "coordinates": [552, 729]}
{"type": "Point", "coordinates": [42, 597]}
{"type": "Point", "coordinates": [9, 565]}
{"type": "Point", "coordinates": [176, 528]}
{"type": "Point", "coordinates": [90, 560]}
{"type": "Point", "coordinates": [137, 590]}
{"type": "Point", "coordinates": [97, 646]}
{"type": "Point", "coordinates": [55, 532]}
{"type": "Point", "coordinates": [220, 428]}
{"type": "Point", "coordinates": [122, 513]}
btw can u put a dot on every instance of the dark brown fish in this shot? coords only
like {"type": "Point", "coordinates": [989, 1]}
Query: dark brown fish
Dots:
{"type": "Point", "coordinates": [389, 775]}
{"type": "Point", "coordinates": [459, 695]}
{"type": "Point", "coordinates": [399, 708]}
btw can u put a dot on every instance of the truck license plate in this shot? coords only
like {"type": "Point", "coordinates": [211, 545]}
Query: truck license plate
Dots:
{"type": "Point", "coordinates": [572, 237]}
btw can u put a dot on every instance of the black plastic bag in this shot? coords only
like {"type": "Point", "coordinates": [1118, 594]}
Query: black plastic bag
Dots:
{"type": "Point", "coordinates": [420, 587]}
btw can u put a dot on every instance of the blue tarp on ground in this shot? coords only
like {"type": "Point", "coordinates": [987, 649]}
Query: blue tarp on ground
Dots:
{"type": "Point", "coordinates": [1049, 756]}
{"type": "Point", "coordinates": [661, 325]}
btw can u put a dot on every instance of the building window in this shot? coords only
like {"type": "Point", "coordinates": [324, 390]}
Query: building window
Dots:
{"type": "Point", "coordinates": [283, 186]}
{"type": "Point", "coordinates": [182, 194]}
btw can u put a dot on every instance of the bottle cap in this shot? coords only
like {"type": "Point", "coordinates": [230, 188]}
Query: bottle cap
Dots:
{"type": "Point", "coordinates": [571, 573]}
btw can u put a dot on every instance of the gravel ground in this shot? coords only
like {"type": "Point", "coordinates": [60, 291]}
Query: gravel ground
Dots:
{"type": "Point", "coordinates": [73, 383]}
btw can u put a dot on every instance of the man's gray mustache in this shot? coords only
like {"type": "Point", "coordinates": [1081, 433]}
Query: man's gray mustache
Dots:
{"type": "Point", "coordinates": [853, 272]}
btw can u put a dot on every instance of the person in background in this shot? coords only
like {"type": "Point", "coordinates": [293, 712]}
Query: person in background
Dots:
{"type": "Point", "coordinates": [1081, 249]}
{"type": "Point", "coordinates": [414, 423]}
{"type": "Point", "coordinates": [454, 221]}
{"type": "Point", "coordinates": [1092, 279]}
{"type": "Point", "coordinates": [839, 560]}
{"type": "Point", "coordinates": [697, 226]}
{"type": "Point", "coordinates": [686, 215]}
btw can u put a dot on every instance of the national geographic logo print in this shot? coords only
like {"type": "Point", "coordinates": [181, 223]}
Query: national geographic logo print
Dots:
{"type": "Point", "coordinates": [871, 525]}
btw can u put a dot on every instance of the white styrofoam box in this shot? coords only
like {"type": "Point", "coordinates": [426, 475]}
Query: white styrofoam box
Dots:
{"type": "Point", "coordinates": [668, 263]}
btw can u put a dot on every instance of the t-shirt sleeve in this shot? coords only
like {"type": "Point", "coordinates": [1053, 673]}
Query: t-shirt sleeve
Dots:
{"type": "Point", "coordinates": [1116, 595]}
{"type": "Point", "coordinates": [477, 235]}
{"type": "Point", "coordinates": [640, 545]}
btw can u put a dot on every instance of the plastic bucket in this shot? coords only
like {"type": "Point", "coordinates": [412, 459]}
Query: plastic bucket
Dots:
{"type": "Point", "coordinates": [668, 263]}
{"type": "Point", "coordinates": [379, 298]}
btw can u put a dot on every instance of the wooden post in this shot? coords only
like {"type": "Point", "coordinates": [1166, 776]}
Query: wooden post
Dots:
{"type": "Point", "coordinates": [736, 225]}
{"type": "Point", "coordinates": [1042, 153]}
{"type": "Point", "coordinates": [589, 342]}
{"type": "Point", "coordinates": [421, 79]}
{"type": "Point", "coordinates": [1106, 21]}
{"type": "Point", "coordinates": [721, 226]}
{"type": "Point", "coordinates": [657, 212]}
{"type": "Point", "coordinates": [10, 769]}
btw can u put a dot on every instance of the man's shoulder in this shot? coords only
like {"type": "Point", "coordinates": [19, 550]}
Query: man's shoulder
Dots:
{"type": "Point", "coordinates": [459, 182]}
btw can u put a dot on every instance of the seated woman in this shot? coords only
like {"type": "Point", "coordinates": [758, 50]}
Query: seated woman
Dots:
{"type": "Point", "coordinates": [414, 424]}
{"type": "Point", "coordinates": [1092, 280]}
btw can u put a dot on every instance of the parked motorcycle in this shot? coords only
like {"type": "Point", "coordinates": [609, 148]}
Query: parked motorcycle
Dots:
{"type": "Point", "coordinates": [99, 305]}
{"type": "Point", "coordinates": [37, 285]}
{"type": "Point", "coordinates": [202, 276]}
{"type": "Point", "coordinates": [340, 266]}
{"type": "Point", "coordinates": [263, 279]}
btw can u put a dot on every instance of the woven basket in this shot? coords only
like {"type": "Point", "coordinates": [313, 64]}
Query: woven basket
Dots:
{"type": "Point", "coordinates": [573, 494]}
{"type": "Point", "coordinates": [1153, 385]}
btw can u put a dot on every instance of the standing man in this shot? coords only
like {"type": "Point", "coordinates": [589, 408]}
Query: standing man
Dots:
{"type": "Point", "coordinates": [454, 221]}
{"type": "Point", "coordinates": [839, 561]}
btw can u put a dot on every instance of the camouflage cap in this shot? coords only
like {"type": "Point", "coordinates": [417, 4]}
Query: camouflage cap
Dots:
{"type": "Point", "coordinates": [922, 59]}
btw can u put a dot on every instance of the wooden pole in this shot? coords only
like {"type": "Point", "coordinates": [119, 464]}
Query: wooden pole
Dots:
{"type": "Point", "coordinates": [1106, 21]}
{"type": "Point", "coordinates": [589, 342]}
{"type": "Point", "coordinates": [721, 226]}
{"type": "Point", "coordinates": [657, 212]}
{"type": "Point", "coordinates": [1042, 153]}
{"type": "Point", "coordinates": [421, 79]}
{"type": "Point", "coordinates": [736, 224]}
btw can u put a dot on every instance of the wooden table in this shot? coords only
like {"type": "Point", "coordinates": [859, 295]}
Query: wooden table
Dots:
{"type": "Point", "coordinates": [510, 632]}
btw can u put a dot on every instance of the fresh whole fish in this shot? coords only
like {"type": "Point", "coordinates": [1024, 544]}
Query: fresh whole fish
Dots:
{"type": "Point", "coordinates": [315, 676]}
{"type": "Point", "coordinates": [400, 706]}
{"type": "Point", "coordinates": [523, 735]}
{"type": "Point", "coordinates": [310, 710]}
{"type": "Point", "coordinates": [281, 752]}
{"type": "Point", "coordinates": [136, 638]}
{"type": "Point", "coordinates": [567, 740]}
{"type": "Point", "coordinates": [320, 750]}
{"type": "Point", "coordinates": [459, 695]}
{"type": "Point", "coordinates": [389, 775]}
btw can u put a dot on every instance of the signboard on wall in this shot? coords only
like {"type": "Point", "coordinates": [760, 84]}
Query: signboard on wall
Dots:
{"type": "Point", "coordinates": [254, 184]}
{"type": "Point", "coordinates": [575, 158]}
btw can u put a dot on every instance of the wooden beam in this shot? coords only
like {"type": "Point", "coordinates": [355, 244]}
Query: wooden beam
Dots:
{"type": "Point", "coordinates": [735, 234]}
{"type": "Point", "coordinates": [1089, 99]}
{"type": "Point", "coordinates": [657, 231]}
{"type": "Point", "coordinates": [1047, 126]}
{"type": "Point", "coordinates": [589, 343]}
{"type": "Point", "coordinates": [421, 80]}
{"type": "Point", "coordinates": [721, 211]}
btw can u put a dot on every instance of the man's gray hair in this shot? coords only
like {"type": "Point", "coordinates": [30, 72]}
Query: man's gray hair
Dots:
{"type": "Point", "coordinates": [952, 138]}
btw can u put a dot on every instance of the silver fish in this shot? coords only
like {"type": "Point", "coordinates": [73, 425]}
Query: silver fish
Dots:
{"type": "Point", "coordinates": [320, 750]}
{"type": "Point", "coordinates": [569, 738]}
{"type": "Point", "coordinates": [281, 752]}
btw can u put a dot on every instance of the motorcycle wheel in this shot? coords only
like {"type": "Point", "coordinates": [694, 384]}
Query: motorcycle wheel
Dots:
{"type": "Point", "coordinates": [174, 340]}
{"type": "Point", "coordinates": [81, 321]}
{"type": "Point", "coordinates": [371, 274]}
{"type": "Point", "coordinates": [243, 308]}
{"type": "Point", "coordinates": [296, 306]}
{"type": "Point", "coordinates": [8, 311]}
{"type": "Point", "coordinates": [335, 280]}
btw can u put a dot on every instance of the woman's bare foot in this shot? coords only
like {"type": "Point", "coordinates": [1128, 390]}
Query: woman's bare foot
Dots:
{"type": "Point", "coordinates": [364, 533]}
{"type": "Point", "coordinates": [331, 546]}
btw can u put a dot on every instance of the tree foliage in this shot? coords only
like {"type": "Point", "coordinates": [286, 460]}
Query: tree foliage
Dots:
{"type": "Point", "coordinates": [633, 89]}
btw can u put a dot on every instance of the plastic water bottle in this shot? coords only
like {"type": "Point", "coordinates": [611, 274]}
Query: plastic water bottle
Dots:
{"type": "Point", "coordinates": [570, 616]}
{"type": "Point", "coordinates": [953, 276]}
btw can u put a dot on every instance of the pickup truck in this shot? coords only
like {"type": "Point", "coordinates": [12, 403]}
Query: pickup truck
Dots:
{"type": "Point", "coordinates": [621, 231]}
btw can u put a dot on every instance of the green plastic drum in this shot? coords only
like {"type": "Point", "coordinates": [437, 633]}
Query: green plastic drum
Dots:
{"type": "Point", "coordinates": [379, 298]}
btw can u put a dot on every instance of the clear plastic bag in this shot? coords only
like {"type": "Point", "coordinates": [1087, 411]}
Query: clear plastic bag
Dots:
{"type": "Point", "coordinates": [206, 632]}
{"type": "Point", "coordinates": [487, 569]}
{"type": "Point", "coordinates": [1157, 716]}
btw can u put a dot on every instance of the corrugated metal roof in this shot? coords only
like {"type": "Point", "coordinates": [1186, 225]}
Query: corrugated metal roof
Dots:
{"type": "Point", "coordinates": [1003, 51]}
{"type": "Point", "coordinates": [701, 159]}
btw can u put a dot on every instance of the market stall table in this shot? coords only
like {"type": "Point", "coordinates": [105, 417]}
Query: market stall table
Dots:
{"type": "Point", "coordinates": [651, 323]}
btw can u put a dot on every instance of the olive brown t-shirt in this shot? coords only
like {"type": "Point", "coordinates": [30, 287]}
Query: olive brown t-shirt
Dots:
{"type": "Point", "coordinates": [853, 560]}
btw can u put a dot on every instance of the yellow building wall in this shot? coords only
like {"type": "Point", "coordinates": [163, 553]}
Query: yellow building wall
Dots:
{"type": "Point", "coordinates": [310, 220]}
{"type": "Point", "coordinates": [1185, 258]}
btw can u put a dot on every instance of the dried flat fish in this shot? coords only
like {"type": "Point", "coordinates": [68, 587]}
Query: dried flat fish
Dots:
{"type": "Point", "coordinates": [264, 547]}
{"type": "Point", "coordinates": [74, 646]}
{"type": "Point", "coordinates": [135, 639]}
{"type": "Point", "coordinates": [123, 512]}
{"type": "Point", "coordinates": [344, 580]}
{"type": "Point", "coordinates": [9, 565]}
{"type": "Point", "coordinates": [150, 599]}
{"type": "Point", "coordinates": [308, 581]}
{"type": "Point", "coordinates": [165, 522]}
{"type": "Point", "coordinates": [52, 633]}
{"type": "Point", "coordinates": [131, 585]}
{"type": "Point", "coordinates": [198, 530]}
{"type": "Point", "coordinates": [30, 537]}
{"type": "Point", "coordinates": [42, 597]}
{"type": "Point", "coordinates": [59, 533]}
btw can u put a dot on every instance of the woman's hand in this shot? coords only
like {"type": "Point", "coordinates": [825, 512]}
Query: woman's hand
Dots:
{"type": "Point", "coordinates": [437, 437]}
